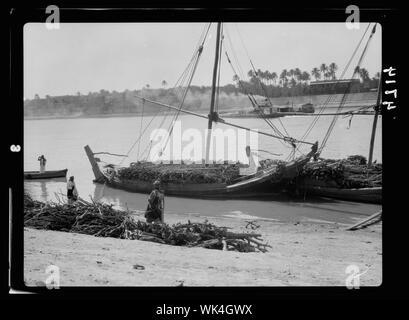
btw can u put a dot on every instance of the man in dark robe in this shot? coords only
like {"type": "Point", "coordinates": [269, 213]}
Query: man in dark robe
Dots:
{"type": "Point", "coordinates": [154, 211]}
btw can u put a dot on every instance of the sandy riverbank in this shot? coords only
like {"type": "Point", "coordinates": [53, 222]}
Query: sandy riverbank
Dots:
{"type": "Point", "coordinates": [301, 254]}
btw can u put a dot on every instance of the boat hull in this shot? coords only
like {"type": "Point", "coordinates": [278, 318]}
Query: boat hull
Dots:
{"type": "Point", "coordinates": [30, 175]}
{"type": "Point", "coordinates": [259, 184]}
{"type": "Point", "coordinates": [368, 195]}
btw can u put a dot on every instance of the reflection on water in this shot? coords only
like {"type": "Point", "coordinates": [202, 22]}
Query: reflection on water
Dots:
{"type": "Point", "coordinates": [120, 198]}
{"type": "Point", "coordinates": [99, 191]}
{"type": "Point", "coordinates": [44, 192]}
{"type": "Point", "coordinates": [45, 189]}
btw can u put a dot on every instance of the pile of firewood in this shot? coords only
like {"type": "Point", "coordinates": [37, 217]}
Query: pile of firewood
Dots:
{"type": "Point", "coordinates": [98, 219]}
{"type": "Point", "coordinates": [267, 163]}
{"type": "Point", "coordinates": [180, 173]}
{"type": "Point", "coordinates": [352, 172]}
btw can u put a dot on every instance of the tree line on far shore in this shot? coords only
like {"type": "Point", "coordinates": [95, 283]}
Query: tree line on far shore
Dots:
{"type": "Point", "coordinates": [287, 83]}
{"type": "Point", "coordinates": [296, 82]}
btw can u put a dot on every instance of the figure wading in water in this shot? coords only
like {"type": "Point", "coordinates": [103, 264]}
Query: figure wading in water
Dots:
{"type": "Point", "coordinates": [72, 193]}
{"type": "Point", "coordinates": [154, 211]}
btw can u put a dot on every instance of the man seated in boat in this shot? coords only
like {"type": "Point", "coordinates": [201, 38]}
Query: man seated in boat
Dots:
{"type": "Point", "coordinates": [42, 160]}
{"type": "Point", "coordinates": [154, 211]}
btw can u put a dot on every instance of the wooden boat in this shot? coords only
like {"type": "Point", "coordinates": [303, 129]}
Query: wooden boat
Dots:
{"type": "Point", "coordinates": [369, 195]}
{"type": "Point", "coordinates": [45, 175]}
{"type": "Point", "coordinates": [251, 114]}
{"type": "Point", "coordinates": [245, 186]}
{"type": "Point", "coordinates": [330, 188]}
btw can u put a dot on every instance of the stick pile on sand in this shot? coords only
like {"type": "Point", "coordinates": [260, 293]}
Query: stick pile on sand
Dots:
{"type": "Point", "coordinates": [98, 219]}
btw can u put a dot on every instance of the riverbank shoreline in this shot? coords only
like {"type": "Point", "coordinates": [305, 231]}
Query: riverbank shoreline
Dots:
{"type": "Point", "coordinates": [227, 111]}
{"type": "Point", "coordinates": [302, 254]}
{"type": "Point", "coordinates": [93, 116]}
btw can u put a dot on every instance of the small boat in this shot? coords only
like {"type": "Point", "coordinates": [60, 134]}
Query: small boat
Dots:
{"type": "Point", "coordinates": [45, 175]}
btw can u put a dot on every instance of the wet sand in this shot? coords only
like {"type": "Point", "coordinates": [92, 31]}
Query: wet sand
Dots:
{"type": "Point", "coordinates": [302, 253]}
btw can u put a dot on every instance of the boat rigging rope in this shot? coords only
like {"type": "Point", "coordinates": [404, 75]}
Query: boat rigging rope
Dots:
{"type": "Point", "coordinates": [139, 138]}
{"type": "Point", "coordinates": [265, 92]}
{"type": "Point", "coordinates": [330, 98]}
{"type": "Point", "coordinates": [219, 69]}
{"type": "Point", "coordinates": [236, 60]}
{"type": "Point", "coordinates": [190, 78]}
{"type": "Point", "coordinates": [177, 90]}
{"type": "Point", "coordinates": [140, 127]}
{"type": "Point", "coordinates": [178, 86]}
{"type": "Point", "coordinates": [356, 70]}
{"type": "Point", "coordinates": [254, 102]}
{"type": "Point", "coordinates": [257, 107]}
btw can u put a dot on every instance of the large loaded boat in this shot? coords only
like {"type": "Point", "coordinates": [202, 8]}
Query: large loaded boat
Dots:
{"type": "Point", "coordinates": [209, 178]}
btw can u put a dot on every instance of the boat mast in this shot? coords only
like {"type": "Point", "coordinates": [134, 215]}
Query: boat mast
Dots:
{"type": "Point", "coordinates": [213, 115]}
{"type": "Point", "coordinates": [375, 121]}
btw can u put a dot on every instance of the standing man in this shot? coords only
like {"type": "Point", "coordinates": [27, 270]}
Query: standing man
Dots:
{"type": "Point", "coordinates": [42, 160]}
{"type": "Point", "coordinates": [72, 192]}
{"type": "Point", "coordinates": [154, 211]}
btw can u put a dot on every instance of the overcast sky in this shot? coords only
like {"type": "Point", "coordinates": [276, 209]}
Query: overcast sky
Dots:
{"type": "Point", "coordinates": [117, 56]}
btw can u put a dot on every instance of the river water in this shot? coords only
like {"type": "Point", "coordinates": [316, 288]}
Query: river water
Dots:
{"type": "Point", "coordinates": [62, 142]}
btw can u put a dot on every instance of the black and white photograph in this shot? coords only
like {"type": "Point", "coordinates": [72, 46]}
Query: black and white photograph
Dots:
{"type": "Point", "coordinates": [203, 153]}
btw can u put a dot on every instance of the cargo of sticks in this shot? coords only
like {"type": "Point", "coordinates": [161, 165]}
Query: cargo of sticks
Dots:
{"type": "Point", "coordinates": [352, 172]}
{"type": "Point", "coordinates": [186, 173]}
{"type": "Point", "coordinates": [102, 220]}
{"type": "Point", "coordinates": [180, 173]}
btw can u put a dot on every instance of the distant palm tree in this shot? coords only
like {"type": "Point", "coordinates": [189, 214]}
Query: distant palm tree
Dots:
{"type": "Point", "coordinates": [324, 69]}
{"type": "Point", "coordinates": [260, 75]}
{"type": "Point", "coordinates": [332, 70]}
{"type": "Point", "coordinates": [236, 77]}
{"type": "Point", "coordinates": [283, 77]}
{"type": "Point", "coordinates": [274, 77]}
{"type": "Point", "coordinates": [265, 75]}
{"type": "Point", "coordinates": [305, 76]}
{"type": "Point", "coordinates": [297, 74]}
{"type": "Point", "coordinates": [164, 83]}
{"type": "Point", "coordinates": [364, 74]}
{"type": "Point", "coordinates": [250, 74]}
{"type": "Point", "coordinates": [316, 74]}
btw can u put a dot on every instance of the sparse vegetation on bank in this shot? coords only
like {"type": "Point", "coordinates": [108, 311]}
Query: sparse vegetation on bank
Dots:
{"type": "Point", "coordinates": [289, 83]}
